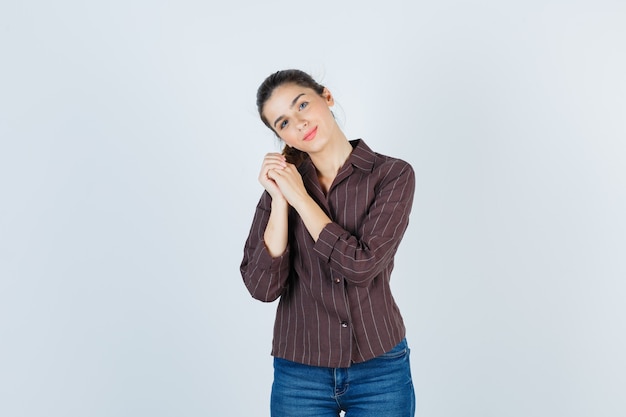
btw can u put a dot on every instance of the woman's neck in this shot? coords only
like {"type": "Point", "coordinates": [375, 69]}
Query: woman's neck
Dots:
{"type": "Point", "coordinates": [332, 158]}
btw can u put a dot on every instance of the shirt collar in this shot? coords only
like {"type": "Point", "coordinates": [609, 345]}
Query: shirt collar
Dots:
{"type": "Point", "coordinates": [361, 157]}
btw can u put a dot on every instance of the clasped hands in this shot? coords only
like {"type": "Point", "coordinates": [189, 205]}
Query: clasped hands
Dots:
{"type": "Point", "coordinates": [282, 179]}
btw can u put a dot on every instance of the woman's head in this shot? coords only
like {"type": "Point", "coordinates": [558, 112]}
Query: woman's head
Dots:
{"type": "Point", "coordinates": [281, 80]}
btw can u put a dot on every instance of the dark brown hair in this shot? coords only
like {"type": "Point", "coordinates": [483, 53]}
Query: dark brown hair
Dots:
{"type": "Point", "coordinates": [289, 76]}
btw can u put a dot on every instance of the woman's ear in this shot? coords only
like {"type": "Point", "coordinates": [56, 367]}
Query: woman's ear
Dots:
{"type": "Point", "coordinates": [330, 100]}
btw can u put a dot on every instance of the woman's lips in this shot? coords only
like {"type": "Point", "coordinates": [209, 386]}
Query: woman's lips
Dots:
{"type": "Point", "coordinates": [310, 134]}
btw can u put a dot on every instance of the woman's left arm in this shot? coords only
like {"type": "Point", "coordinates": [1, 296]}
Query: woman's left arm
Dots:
{"type": "Point", "coordinates": [359, 259]}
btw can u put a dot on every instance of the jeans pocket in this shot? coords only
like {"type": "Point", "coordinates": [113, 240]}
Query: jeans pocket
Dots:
{"type": "Point", "coordinates": [398, 351]}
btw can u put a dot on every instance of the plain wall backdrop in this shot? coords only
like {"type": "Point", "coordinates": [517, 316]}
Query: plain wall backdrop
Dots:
{"type": "Point", "coordinates": [129, 152]}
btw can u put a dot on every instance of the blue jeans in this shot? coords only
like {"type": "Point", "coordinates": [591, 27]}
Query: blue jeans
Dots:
{"type": "Point", "coordinates": [379, 387]}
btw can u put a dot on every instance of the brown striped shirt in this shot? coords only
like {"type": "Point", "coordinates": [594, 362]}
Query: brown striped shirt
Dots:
{"type": "Point", "coordinates": [336, 307]}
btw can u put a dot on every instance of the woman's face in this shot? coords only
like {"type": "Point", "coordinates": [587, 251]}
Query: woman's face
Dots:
{"type": "Point", "coordinates": [301, 117]}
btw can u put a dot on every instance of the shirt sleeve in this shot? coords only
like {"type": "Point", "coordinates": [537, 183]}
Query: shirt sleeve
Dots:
{"type": "Point", "coordinates": [361, 258]}
{"type": "Point", "coordinates": [265, 277]}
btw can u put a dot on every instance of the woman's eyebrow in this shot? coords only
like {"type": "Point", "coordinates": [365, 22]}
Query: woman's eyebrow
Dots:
{"type": "Point", "coordinates": [293, 103]}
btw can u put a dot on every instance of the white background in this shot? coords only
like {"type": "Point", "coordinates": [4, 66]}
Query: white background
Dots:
{"type": "Point", "coordinates": [129, 150]}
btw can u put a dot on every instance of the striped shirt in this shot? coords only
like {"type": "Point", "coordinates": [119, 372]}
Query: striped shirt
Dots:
{"type": "Point", "coordinates": [336, 307]}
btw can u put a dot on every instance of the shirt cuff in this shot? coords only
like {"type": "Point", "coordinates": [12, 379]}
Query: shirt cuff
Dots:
{"type": "Point", "coordinates": [327, 239]}
{"type": "Point", "coordinates": [266, 262]}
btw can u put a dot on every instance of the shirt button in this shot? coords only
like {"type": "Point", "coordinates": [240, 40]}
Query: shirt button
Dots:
{"type": "Point", "coordinates": [344, 324]}
{"type": "Point", "coordinates": [337, 280]}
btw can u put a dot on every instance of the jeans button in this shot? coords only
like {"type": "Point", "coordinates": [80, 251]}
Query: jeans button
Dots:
{"type": "Point", "coordinates": [344, 324]}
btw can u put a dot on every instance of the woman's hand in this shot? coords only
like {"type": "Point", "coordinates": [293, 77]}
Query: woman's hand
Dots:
{"type": "Point", "coordinates": [271, 163]}
{"type": "Point", "coordinates": [284, 183]}
{"type": "Point", "coordinates": [289, 182]}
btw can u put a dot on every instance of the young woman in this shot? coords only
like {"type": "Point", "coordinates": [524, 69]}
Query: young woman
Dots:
{"type": "Point", "coordinates": [323, 240]}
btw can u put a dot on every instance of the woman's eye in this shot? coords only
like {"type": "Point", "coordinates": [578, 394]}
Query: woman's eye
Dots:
{"type": "Point", "coordinates": [283, 124]}
{"type": "Point", "coordinates": [303, 104]}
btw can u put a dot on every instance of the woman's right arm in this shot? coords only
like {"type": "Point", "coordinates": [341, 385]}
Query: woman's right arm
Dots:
{"type": "Point", "coordinates": [265, 266]}
{"type": "Point", "coordinates": [275, 236]}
